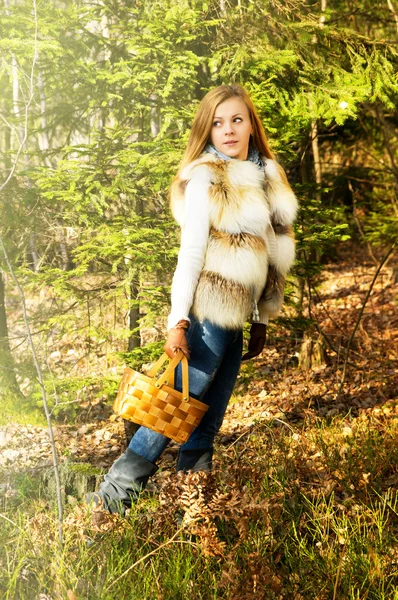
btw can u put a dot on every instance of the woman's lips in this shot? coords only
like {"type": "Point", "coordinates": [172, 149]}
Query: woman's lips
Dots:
{"type": "Point", "coordinates": [230, 143]}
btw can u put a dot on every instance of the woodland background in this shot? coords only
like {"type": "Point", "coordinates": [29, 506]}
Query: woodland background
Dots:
{"type": "Point", "coordinates": [96, 103]}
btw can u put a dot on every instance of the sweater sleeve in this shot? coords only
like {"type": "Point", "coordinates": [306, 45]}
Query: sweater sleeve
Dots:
{"type": "Point", "coordinates": [191, 256]}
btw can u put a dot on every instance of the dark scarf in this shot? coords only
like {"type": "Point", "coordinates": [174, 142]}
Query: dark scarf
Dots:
{"type": "Point", "coordinates": [253, 154]}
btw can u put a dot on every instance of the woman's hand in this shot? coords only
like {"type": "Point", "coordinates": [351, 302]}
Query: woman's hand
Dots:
{"type": "Point", "coordinates": [177, 339]}
{"type": "Point", "coordinates": [258, 334]}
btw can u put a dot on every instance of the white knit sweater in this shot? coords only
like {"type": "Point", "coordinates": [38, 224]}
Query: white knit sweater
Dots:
{"type": "Point", "coordinates": [191, 256]}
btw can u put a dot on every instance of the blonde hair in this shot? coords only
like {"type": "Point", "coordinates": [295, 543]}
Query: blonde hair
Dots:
{"type": "Point", "coordinates": [203, 121]}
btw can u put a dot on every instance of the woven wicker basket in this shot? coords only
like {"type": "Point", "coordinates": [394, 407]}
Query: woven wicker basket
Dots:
{"type": "Point", "coordinates": [150, 402]}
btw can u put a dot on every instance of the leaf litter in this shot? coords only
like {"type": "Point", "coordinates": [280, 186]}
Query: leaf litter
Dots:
{"type": "Point", "coordinates": [286, 432]}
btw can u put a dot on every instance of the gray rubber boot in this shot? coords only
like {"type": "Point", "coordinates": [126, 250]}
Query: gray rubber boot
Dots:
{"type": "Point", "coordinates": [199, 459]}
{"type": "Point", "coordinates": [123, 483]}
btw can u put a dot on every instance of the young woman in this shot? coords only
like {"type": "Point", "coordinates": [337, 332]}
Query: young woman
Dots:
{"type": "Point", "coordinates": [236, 209]}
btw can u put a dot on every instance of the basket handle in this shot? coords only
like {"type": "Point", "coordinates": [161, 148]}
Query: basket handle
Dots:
{"type": "Point", "coordinates": [179, 357]}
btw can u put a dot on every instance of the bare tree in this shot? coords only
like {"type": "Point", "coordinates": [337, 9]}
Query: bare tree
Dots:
{"type": "Point", "coordinates": [20, 131]}
{"type": "Point", "coordinates": [23, 136]}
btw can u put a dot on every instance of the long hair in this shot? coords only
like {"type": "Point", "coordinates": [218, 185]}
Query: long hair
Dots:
{"type": "Point", "coordinates": [203, 121]}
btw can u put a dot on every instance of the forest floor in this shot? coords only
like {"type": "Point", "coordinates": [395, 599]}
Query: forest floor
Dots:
{"type": "Point", "coordinates": [303, 500]}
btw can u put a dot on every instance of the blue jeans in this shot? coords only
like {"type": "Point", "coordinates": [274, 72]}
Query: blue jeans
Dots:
{"type": "Point", "coordinates": [213, 368]}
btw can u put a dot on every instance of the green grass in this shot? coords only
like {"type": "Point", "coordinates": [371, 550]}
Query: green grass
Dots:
{"type": "Point", "coordinates": [308, 514]}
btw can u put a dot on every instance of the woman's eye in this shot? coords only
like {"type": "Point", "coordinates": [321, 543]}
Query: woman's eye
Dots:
{"type": "Point", "coordinates": [215, 123]}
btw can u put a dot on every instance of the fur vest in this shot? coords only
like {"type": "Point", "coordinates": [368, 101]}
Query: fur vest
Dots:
{"type": "Point", "coordinates": [251, 244]}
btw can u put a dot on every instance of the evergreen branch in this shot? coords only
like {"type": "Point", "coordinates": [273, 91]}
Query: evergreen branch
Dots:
{"type": "Point", "coordinates": [101, 288]}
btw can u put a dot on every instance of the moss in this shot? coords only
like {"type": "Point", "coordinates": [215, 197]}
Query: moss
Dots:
{"type": "Point", "coordinates": [84, 469]}
{"type": "Point", "coordinates": [15, 409]}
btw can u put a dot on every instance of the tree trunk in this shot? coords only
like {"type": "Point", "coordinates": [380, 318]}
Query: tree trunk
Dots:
{"type": "Point", "coordinates": [18, 113]}
{"type": "Point", "coordinates": [392, 9]}
{"type": "Point", "coordinates": [4, 343]}
{"type": "Point", "coordinates": [44, 141]}
{"type": "Point", "coordinates": [134, 312]}
{"type": "Point", "coordinates": [314, 125]}
{"type": "Point", "coordinates": [134, 315]}
{"type": "Point", "coordinates": [7, 146]}
{"type": "Point", "coordinates": [314, 136]}
{"type": "Point", "coordinates": [312, 352]}
{"type": "Point", "coordinates": [77, 480]}
{"type": "Point", "coordinates": [315, 154]}
{"type": "Point", "coordinates": [155, 116]}
{"type": "Point", "coordinates": [305, 176]}
{"type": "Point", "coordinates": [7, 366]}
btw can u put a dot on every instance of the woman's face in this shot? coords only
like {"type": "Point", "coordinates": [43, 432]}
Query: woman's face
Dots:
{"type": "Point", "coordinates": [231, 128]}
